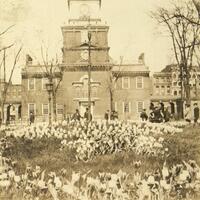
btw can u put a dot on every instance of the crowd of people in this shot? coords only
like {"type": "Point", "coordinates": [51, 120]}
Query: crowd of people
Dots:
{"type": "Point", "coordinates": [161, 113]}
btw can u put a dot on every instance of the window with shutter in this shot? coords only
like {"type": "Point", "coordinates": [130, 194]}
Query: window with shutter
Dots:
{"type": "Point", "coordinates": [125, 82]}
{"type": "Point", "coordinates": [140, 106]}
{"type": "Point", "coordinates": [45, 109]}
{"type": "Point", "coordinates": [139, 83]}
{"type": "Point", "coordinates": [60, 109]}
{"type": "Point", "coordinates": [31, 84]}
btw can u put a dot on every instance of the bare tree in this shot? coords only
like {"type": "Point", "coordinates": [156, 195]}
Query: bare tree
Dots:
{"type": "Point", "coordinates": [184, 36]}
{"type": "Point", "coordinates": [113, 76]}
{"type": "Point", "coordinates": [7, 84]}
{"type": "Point", "coordinates": [52, 72]}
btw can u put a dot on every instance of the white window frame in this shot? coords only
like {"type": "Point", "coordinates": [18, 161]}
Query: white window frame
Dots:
{"type": "Point", "coordinates": [138, 105]}
{"type": "Point", "coordinates": [29, 83]}
{"type": "Point", "coordinates": [137, 82]}
{"type": "Point", "coordinates": [123, 107]}
{"type": "Point", "coordinates": [123, 82]}
{"type": "Point", "coordinates": [29, 108]}
{"type": "Point", "coordinates": [57, 109]}
{"type": "Point", "coordinates": [43, 108]}
{"type": "Point", "coordinates": [43, 79]}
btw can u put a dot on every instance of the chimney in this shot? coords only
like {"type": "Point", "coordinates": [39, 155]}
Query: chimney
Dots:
{"type": "Point", "coordinates": [29, 60]}
{"type": "Point", "coordinates": [141, 59]}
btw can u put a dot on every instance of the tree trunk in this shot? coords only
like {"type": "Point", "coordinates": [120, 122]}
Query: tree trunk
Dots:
{"type": "Point", "coordinates": [112, 106]}
{"type": "Point", "coordinates": [187, 93]}
{"type": "Point", "coordinates": [54, 107]}
{"type": "Point", "coordinates": [2, 113]}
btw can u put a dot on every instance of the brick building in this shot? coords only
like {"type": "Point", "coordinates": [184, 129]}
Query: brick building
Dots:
{"type": "Point", "coordinates": [167, 85]}
{"type": "Point", "coordinates": [132, 90]}
{"type": "Point", "coordinates": [12, 105]}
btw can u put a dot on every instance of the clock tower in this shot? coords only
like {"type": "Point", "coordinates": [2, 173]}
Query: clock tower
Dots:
{"type": "Point", "coordinates": [84, 18]}
{"type": "Point", "coordinates": [85, 28]}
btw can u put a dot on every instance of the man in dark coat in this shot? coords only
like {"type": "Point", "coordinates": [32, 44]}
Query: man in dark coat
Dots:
{"type": "Point", "coordinates": [144, 115]}
{"type": "Point", "coordinates": [196, 113]}
{"type": "Point", "coordinates": [87, 114]}
{"type": "Point", "coordinates": [32, 118]}
{"type": "Point", "coordinates": [106, 116]}
{"type": "Point", "coordinates": [76, 116]}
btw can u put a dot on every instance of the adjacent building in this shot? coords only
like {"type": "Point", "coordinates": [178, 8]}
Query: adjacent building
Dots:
{"type": "Point", "coordinates": [12, 97]}
{"type": "Point", "coordinates": [167, 86]}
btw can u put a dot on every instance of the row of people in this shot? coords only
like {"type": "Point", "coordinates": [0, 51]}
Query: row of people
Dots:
{"type": "Point", "coordinates": [77, 116]}
{"type": "Point", "coordinates": [107, 116]}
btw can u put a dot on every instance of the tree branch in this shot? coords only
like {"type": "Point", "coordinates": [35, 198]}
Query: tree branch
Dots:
{"type": "Point", "coordinates": [6, 30]}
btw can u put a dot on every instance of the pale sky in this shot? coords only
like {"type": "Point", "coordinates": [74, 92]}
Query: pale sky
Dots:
{"type": "Point", "coordinates": [132, 30]}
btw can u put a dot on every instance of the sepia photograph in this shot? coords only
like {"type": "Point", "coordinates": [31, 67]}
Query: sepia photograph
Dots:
{"type": "Point", "coordinates": [99, 99]}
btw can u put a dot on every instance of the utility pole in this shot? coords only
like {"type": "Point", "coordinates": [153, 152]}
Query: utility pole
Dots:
{"type": "Point", "coordinates": [182, 92]}
{"type": "Point", "coordinates": [89, 76]}
{"type": "Point", "coordinates": [4, 66]}
{"type": "Point", "coordinates": [4, 85]}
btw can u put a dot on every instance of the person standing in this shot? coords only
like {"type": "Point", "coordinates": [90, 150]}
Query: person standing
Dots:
{"type": "Point", "coordinates": [167, 115]}
{"type": "Point", "coordinates": [172, 106]}
{"type": "Point", "coordinates": [196, 113]}
{"type": "Point", "coordinates": [32, 118]}
{"type": "Point", "coordinates": [107, 115]}
{"type": "Point", "coordinates": [162, 107]}
{"type": "Point", "coordinates": [87, 114]}
{"type": "Point", "coordinates": [112, 115]}
{"type": "Point", "coordinates": [188, 114]}
{"type": "Point", "coordinates": [76, 116]}
{"type": "Point", "coordinates": [151, 107]}
{"type": "Point", "coordinates": [144, 115]}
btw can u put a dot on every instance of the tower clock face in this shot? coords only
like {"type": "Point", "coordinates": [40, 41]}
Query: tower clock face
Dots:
{"type": "Point", "coordinates": [84, 10]}
{"type": "Point", "coordinates": [84, 54]}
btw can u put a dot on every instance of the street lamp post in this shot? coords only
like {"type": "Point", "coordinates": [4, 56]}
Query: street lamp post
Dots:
{"type": "Point", "coordinates": [49, 87]}
{"type": "Point", "coordinates": [89, 76]}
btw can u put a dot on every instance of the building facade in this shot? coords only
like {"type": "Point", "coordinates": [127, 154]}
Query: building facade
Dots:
{"type": "Point", "coordinates": [12, 105]}
{"type": "Point", "coordinates": [132, 89]}
{"type": "Point", "coordinates": [167, 86]}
